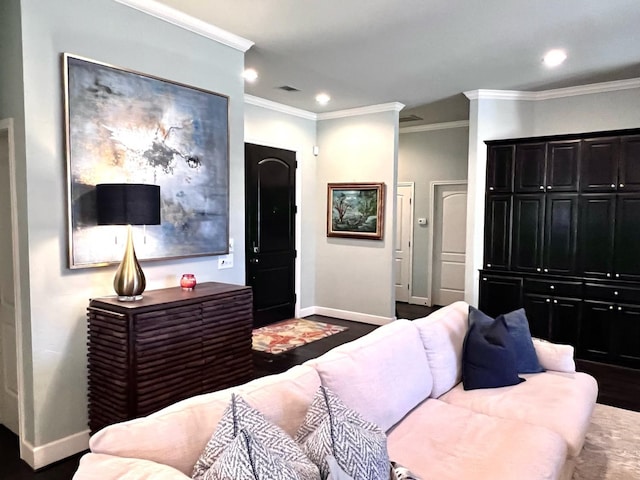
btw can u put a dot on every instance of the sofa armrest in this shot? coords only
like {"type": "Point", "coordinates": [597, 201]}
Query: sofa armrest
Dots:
{"type": "Point", "coordinates": [99, 466]}
{"type": "Point", "coordinates": [554, 356]}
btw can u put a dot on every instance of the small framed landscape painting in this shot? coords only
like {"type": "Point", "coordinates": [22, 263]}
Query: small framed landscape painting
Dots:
{"type": "Point", "coordinates": [355, 210]}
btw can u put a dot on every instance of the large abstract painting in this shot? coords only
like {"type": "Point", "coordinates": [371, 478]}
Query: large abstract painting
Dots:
{"type": "Point", "coordinates": [128, 127]}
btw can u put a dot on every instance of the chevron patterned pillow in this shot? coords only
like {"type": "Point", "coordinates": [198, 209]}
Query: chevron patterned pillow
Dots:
{"type": "Point", "coordinates": [330, 429]}
{"type": "Point", "coordinates": [262, 444]}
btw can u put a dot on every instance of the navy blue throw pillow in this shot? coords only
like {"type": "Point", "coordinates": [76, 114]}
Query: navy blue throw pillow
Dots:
{"type": "Point", "coordinates": [488, 354]}
{"type": "Point", "coordinates": [518, 327]}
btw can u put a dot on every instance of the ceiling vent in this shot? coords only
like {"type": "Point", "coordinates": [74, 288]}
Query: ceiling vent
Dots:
{"type": "Point", "coordinates": [410, 118]}
{"type": "Point", "coordinates": [289, 88]}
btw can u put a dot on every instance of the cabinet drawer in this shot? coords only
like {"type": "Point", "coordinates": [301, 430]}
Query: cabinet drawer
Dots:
{"type": "Point", "coordinates": [553, 287]}
{"type": "Point", "coordinates": [612, 293]}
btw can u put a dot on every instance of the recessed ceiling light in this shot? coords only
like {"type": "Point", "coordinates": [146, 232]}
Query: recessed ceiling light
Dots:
{"type": "Point", "coordinates": [250, 75]}
{"type": "Point", "coordinates": [553, 58]}
{"type": "Point", "coordinates": [323, 98]}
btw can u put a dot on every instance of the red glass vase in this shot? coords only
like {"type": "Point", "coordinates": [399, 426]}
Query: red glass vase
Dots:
{"type": "Point", "coordinates": [188, 282]}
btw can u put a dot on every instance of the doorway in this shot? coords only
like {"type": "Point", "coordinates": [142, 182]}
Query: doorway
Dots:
{"type": "Point", "coordinates": [403, 241]}
{"type": "Point", "coordinates": [448, 242]}
{"type": "Point", "coordinates": [270, 192]}
{"type": "Point", "coordinates": [9, 415]}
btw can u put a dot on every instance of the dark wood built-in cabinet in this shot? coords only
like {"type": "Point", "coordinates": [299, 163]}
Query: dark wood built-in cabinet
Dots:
{"type": "Point", "coordinates": [562, 240]}
{"type": "Point", "coordinates": [169, 346]}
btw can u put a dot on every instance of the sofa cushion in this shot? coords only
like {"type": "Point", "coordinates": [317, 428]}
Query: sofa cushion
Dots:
{"type": "Point", "coordinates": [245, 435]}
{"type": "Point", "coordinates": [488, 354]}
{"type": "Point", "coordinates": [176, 435]}
{"type": "Point", "coordinates": [553, 356]}
{"type": "Point", "coordinates": [442, 334]}
{"type": "Point", "coordinates": [518, 326]}
{"type": "Point", "coordinates": [358, 447]}
{"type": "Point", "coordinates": [382, 375]}
{"type": "Point", "coordinates": [561, 402]}
{"type": "Point", "coordinates": [445, 442]}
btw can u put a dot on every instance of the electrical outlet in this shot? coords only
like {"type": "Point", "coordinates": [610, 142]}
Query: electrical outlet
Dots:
{"type": "Point", "coordinates": [225, 261]}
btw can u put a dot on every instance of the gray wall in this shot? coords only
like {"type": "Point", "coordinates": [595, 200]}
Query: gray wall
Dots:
{"type": "Point", "coordinates": [54, 312]}
{"type": "Point", "coordinates": [424, 157]}
{"type": "Point", "coordinates": [355, 275]}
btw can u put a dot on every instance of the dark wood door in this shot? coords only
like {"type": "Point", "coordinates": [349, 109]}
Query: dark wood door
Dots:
{"type": "Point", "coordinates": [599, 165]}
{"type": "Point", "coordinates": [270, 231]}
{"type": "Point", "coordinates": [500, 168]}
{"type": "Point", "coordinates": [626, 258]}
{"type": "Point", "coordinates": [565, 317]}
{"type": "Point", "coordinates": [595, 330]}
{"type": "Point", "coordinates": [562, 166]}
{"type": "Point", "coordinates": [538, 309]}
{"type": "Point", "coordinates": [497, 243]}
{"type": "Point", "coordinates": [499, 294]}
{"type": "Point", "coordinates": [528, 226]}
{"type": "Point", "coordinates": [560, 233]}
{"type": "Point", "coordinates": [530, 167]}
{"type": "Point", "coordinates": [596, 234]}
{"type": "Point", "coordinates": [629, 164]}
{"type": "Point", "coordinates": [627, 339]}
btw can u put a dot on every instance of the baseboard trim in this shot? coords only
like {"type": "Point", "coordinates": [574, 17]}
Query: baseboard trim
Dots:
{"type": "Point", "coordinates": [305, 312]}
{"type": "Point", "coordinates": [353, 316]}
{"type": "Point", "coordinates": [419, 301]}
{"type": "Point", "coordinates": [39, 457]}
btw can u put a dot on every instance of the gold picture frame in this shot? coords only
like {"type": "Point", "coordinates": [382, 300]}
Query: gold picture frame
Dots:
{"type": "Point", "coordinates": [355, 210]}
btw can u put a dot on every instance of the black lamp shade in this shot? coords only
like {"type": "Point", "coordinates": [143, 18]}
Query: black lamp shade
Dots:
{"type": "Point", "coordinates": [127, 204]}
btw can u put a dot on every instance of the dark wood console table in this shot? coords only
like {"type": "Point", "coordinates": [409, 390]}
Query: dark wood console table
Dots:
{"type": "Point", "coordinates": [171, 345]}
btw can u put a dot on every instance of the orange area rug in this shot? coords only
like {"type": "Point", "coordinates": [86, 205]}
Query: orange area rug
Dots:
{"type": "Point", "coordinates": [295, 332]}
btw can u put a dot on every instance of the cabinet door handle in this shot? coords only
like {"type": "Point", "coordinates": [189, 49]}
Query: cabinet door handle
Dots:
{"type": "Point", "coordinates": [615, 293]}
{"type": "Point", "coordinates": [546, 270]}
{"type": "Point", "coordinates": [538, 269]}
{"type": "Point", "coordinates": [484, 279]}
{"type": "Point", "coordinates": [549, 187]}
{"type": "Point", "coordinates": [488, 265]}
{"type": "Point", "coordinates": [608, 275]}
{"type": "Point", "coordinates": [541, 187]}
{"type": "Point", "coordinates": [490, 188]}
{"type": "Point", "coordinates": [555, 301]}
{"type": "Point", "coordinates": [552, 287]}
{"type": "Point", "coordinates": [610, 307]}
{"type": "Point", "coordinates": [548, 300]}
{"type": "Point", "coordinates": [613, 185]}
{"type": "Point", "coordinates": [619, 309]}
{"type": "Point", "coordinates": [622, 185]}
{"type": "Point", "coordinates": [617, 275]}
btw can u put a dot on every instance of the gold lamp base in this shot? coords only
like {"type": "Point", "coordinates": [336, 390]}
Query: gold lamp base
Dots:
{"type": "Point", "coordinates": [129, 281]}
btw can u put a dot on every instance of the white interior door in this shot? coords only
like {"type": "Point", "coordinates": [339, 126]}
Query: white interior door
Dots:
{"type": "Point", "coordinates": [8, 354]}
{"type": "Point", "coordinates": [403, 239]}
{"type": "Point", "coordinates": [449, 242]}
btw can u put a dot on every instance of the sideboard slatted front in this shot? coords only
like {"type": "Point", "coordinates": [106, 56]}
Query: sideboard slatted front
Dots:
{"type": "Point", "coordinates": [168, 346]}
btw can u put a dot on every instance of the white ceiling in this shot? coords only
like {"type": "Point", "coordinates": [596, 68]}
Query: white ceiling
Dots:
{"type": "Point", "coordinates": [367, 52]}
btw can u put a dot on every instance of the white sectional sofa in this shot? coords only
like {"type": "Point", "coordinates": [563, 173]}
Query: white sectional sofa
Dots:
{"type": "Point", "coordinates": [406, 378]}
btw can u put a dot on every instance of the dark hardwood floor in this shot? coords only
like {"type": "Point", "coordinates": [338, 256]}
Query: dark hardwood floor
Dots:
{"type": "Point", "coordinates": [619, 387]}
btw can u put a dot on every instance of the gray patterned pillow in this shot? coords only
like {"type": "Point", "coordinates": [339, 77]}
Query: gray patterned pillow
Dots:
{"type": "Point", "coordinates": [248, 459]}
{"type": "Point", "coordinates": [260, 434]}
{"type": "Point", "coordinates": [331, 429]}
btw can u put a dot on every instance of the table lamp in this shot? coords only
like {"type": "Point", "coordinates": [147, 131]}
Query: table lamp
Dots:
{"type": "Point", "coordinates": [128, 204]}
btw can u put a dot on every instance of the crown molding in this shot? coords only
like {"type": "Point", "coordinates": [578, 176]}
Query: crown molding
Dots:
{"type": "Point", "coordinates": [195, 25]}
{"type": "Point", "coordinates": [279, 107]}
{"type": "Point", "coordinates": [352, 112]}
{"type": "Point", "coordinates": [590, 89]}
{"type": "Point", "coordinates": [435, 126]}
